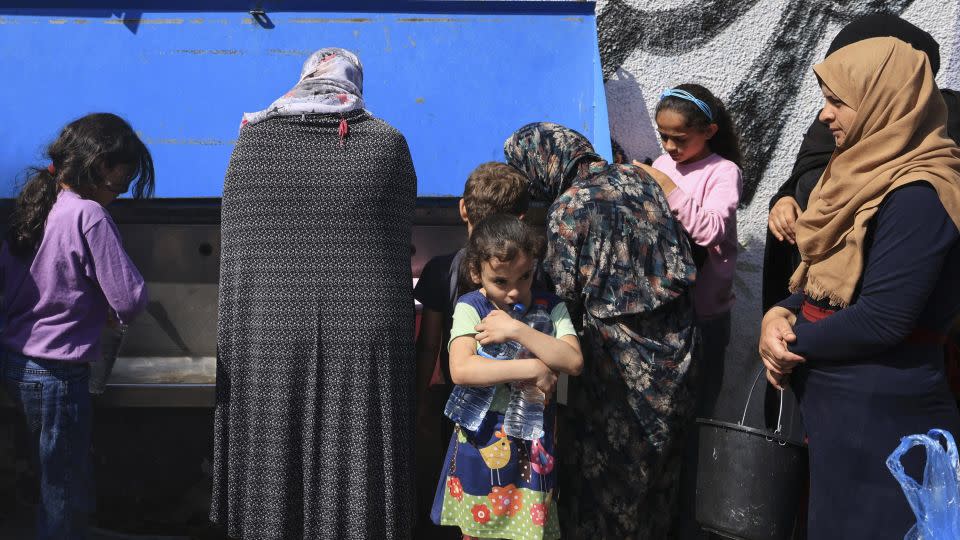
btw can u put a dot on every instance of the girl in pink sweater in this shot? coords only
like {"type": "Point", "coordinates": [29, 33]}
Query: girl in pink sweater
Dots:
{"type": "Point", "coordinates": [700, 175]}
{"type": "Point", "coordinates": [702, 183]}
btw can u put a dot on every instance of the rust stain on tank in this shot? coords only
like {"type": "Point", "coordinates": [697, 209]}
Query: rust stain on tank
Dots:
{"type": "Point", "coordinates": [420, 100]}
{"type": "Point", "coordinates": [31, 20]}
{"type": "Point", "coordinates": [289, 52]}
{"type": "Point", "coordinates": [143, 21]}
{"type": "Point", "coordinates": [319, 20]}
{"type": "Point", "coordinates": [573, 19]}
{"type": "Point", "coordinates": [429, 20]}
{"type": "Point", "coordinates": [209, 51]}
{"type": "Point", "coordinates": [192, 142]}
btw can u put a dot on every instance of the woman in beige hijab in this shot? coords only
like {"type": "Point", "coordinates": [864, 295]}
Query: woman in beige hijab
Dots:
{"type": "Point", "coordinates": [861, 338]}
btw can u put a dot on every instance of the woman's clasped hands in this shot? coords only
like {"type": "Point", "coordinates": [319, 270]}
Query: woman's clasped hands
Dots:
{"type": "Point", "coordinates": [783, 219]}
{"type": "Point", "coordinates": [776, 333]}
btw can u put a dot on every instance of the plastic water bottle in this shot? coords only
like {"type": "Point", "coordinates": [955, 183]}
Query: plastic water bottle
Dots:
{"type": "Point", "coordinates": [468, 405]}
{"type": "Point", "coordinates": [111, 339]}
{"type": "Point", "coordinates": [524, 416]}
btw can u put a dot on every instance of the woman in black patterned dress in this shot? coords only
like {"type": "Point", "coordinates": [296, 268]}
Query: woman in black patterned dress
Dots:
{"type": "Point", "coordinates": [314, 410]}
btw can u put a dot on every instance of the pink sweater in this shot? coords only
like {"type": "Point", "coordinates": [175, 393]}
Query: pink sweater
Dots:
{"type": "Point", "coordinates": [705, 202]}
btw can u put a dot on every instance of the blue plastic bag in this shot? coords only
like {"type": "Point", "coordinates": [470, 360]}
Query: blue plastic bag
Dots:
{"type": "Point", "coordinates": [936, 502]}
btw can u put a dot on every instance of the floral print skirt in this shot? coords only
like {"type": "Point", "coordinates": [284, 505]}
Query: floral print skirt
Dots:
{"type": "Point", "coordinates": [629, 411]}
{"type": "Point", "coordinates": [495, 486]}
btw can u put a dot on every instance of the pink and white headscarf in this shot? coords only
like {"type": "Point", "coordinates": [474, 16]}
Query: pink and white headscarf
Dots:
{"type": "Point", "coordinates": [331, 81]}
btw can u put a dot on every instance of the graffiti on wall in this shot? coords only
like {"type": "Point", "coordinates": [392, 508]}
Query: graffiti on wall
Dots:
{"type": "Point", "coordinates": [759, 102]}
{"type": "Point", "coordinates": [756, 56]}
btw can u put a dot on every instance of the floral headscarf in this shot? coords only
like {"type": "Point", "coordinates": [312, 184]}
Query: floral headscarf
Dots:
{"type": "Point", "coordinates": [331, 81]}
{"type": "Point", "coordinates": [613, 245]}
{"type": "Point", "coordinates": [548, 154]}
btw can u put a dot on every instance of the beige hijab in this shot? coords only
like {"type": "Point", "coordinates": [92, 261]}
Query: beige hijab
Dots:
{"type": "Point", "coordinates": [898, 137]}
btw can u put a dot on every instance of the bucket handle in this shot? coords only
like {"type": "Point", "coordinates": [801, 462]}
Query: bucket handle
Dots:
{"type": "Point", "coordinates": [746, 406]}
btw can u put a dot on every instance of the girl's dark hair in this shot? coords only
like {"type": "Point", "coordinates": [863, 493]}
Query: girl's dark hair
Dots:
{"type": "Point", "coordinates": [503, 236]}
{"type": "Point", "coordinates": [726, 142]}
{"type": "Point", "coordinates": [619, 154]}
{"type": "Point", "coordinates": [84, 148]}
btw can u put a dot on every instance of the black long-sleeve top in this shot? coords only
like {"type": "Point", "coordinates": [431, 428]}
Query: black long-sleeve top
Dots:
{"type": "Point", "coordinates": [911, 280]}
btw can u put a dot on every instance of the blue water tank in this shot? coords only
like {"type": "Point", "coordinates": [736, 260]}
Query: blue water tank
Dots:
{"type": "Point", "coordinates": [456, 77]}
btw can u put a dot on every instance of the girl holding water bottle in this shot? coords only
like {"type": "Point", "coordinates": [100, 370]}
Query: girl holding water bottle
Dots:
{"type": "Point", "coordinates": [63, 272]}
{"type": "Point", "coordinates": [494, 484]}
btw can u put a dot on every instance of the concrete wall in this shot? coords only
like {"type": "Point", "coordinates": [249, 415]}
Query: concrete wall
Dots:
{"type": "Point", "coordinates": [756, 56]}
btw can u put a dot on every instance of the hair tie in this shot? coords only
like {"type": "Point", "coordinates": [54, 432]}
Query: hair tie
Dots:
{"type": "Point", "coordinates": [683, 94]}
{"type": "Point", "coordinates": [52, 169]}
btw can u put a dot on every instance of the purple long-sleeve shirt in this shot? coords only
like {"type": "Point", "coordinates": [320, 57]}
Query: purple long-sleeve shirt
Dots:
{"type": "Point", "coordinates": [55, 303]}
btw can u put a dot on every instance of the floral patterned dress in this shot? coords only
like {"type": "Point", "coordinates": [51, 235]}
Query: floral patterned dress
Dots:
{"type": "Point", "coordinates": [496, 486]}
{"type": "Point", "coordinates": [623, 265]}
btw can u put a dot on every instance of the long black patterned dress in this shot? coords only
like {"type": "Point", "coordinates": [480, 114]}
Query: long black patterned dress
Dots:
{"type": "Point", "coordinates": [622, 263]}
{"type": "Point", "coordinates": [314, 413]}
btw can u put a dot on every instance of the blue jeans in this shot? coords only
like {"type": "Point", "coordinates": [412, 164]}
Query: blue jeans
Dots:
{"type": "Point", "coordinates": [54, 399]}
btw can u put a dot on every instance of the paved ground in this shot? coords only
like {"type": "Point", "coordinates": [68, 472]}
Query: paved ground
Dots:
{"type": "Point", "coordinates": [23, 531]}
{"type": "Point", "coordinates": [19, 526]}
{"type": "Point", "coordinates": [163, 493]}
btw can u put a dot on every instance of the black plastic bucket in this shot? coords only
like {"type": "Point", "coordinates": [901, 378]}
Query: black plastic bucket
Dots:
{"type": "Point", "coordinates": [750, 481]}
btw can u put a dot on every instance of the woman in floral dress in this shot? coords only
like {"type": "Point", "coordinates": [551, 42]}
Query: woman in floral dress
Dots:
{"type": "Point", "coordinates": [623, 265]}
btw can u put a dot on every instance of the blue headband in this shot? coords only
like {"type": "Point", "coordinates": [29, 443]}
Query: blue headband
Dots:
{"type": "Point", "coordinates": [683, 94]}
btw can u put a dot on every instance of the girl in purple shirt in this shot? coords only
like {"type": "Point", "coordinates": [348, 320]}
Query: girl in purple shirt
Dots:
{"type": "Point", "coordinates": [64, 273]}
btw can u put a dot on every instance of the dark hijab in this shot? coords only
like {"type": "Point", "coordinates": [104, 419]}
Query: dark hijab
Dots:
{"type": "Point", "coordinates": [613, 246]}
{"type": "Point", "coordinates": [781, 258]}
{"type": "Point", "coordinates": [887, 25]}
{"type": "Point", "coordinates": [549, 155]}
